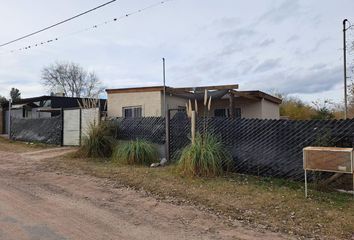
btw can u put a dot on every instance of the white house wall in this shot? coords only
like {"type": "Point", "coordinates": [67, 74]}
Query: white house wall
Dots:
{"type": "Point", "coordinates": [270, 110]}
{"type": "Point", "coordinates": [17, 113]}
{"type": "Point", "coordinates": [249, 108]}
{"type": "Point", "coordinates": [173, 102]}
{"type": "Point", "coordinates": [37, 114]}
{"type": "Point", "coordinates": [152, 105]}
{"type": "Point", "coordinates": [149, 101]}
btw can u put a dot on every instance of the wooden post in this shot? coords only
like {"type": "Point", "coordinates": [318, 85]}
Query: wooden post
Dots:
{"type": "Point", "coordinates": [304, 165]}
{"type": "Point", "coordinates": [232, 106]}
{"type": "Point", "coordinates": [167, 144]}
{"type": "Point", "coordinates": [353, 184]}
{"type": "Point", "coordinates": [9, 128]}
{"type": "Point", "coordinates": [80, 127]}
{"type": "Point", "coordinates": [305, 183]}
{"type": "Point", "coordinates": [193, 119]}
{"type": "Point", "coordinates": [62, 127]}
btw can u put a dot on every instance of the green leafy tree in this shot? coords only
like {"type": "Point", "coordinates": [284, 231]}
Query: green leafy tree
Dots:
{"type": "Point", "coordinates": [2, 100]}
{"type": "Point", "coordinates": [294, 108]}
{"type": "Point", "coordinates": [324, 114]}
{"type": "Point", "coordinates": [15, 94]}
{"type": "Point", "coordinates": [324, 110]}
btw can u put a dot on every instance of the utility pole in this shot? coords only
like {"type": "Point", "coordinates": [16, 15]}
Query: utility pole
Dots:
{"type": "Point", "coordinates": [9, 127]}
{"type": "Point", "coordinates": [166, 114]}
{"type": "Point", "coordinates": [164, 85]}
{"type": "Point", "coordinates": [345, 68]}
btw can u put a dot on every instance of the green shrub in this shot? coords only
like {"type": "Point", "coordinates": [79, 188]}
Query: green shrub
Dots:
{"type": "Point", "coordinates": [205, 158]}
{"type": "Point", "coordinates": [139, 152]}
{"type": "Point", "coordinates": [98, 142]}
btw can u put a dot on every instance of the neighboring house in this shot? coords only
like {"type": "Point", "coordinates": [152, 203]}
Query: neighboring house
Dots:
{"type": "Point", "coordinates": [42, 107]}
{"type": "Point", "coordinates": [226, 101]}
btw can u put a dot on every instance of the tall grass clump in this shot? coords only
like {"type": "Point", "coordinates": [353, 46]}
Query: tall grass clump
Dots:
{"type": "Point", "coordinates": [205, 158]}
{"type": "Point", "coordinates": [99, 141]}
{"type": "Point", "coordinates": [138, 152]}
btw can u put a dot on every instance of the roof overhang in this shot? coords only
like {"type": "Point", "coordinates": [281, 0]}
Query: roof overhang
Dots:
{"type": "Point", "coordinates": [172, 90]}
{"type": "Point", "coordinates": [258, 95]}
{"type": "Point", "coordinates": [197, 93]}
{"type": "Point", "coordinates": [136, 89]}
{"type": "Point", "coordinates": [18, 106]}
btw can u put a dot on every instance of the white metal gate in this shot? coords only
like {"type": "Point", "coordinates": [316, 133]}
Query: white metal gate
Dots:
{"type": "Point", "coordinates": [71, 128]}
{"type": "Point", "coordinates": [89, 117]}
{"type": "Point", "coordinates": [77, 123]}
{"type": "Point", "coordinates": [6, 122]}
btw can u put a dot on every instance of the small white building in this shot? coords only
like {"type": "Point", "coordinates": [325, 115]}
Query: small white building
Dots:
{"type": "Point", "coordinates": [226, 101]}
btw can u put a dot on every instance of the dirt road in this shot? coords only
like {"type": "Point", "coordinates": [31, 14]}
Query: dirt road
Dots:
{"type": "Point", "coordinates": [36, 204]}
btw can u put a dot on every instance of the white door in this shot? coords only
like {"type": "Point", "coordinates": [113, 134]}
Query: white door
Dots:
{"type": "Point", "coordinates": [71, 131]}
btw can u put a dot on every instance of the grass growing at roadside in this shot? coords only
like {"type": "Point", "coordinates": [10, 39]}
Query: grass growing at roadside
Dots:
{"type": "Point", "coordinates": [205, 158]}
{"type": "Point", "coordinates": [98, 142]}
{"type": "Point", "coordinates": [20, 146]}
{"type": "Point", "coordinates": [139, 152]}
{"type": "Point", "coordinates": [278, 204]}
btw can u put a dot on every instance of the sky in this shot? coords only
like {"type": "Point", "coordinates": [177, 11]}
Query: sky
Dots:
{"type": "Point", "coordinates": [292, 47]}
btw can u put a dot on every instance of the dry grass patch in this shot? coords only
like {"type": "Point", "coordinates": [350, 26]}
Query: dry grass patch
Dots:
{"type": "Point", "coordinates": [18, 147]}
{"type": "Point", "coordinates": [269, 203]}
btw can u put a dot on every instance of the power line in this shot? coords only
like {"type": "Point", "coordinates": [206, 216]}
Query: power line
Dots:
{"type": "Point", "coordinates": [117, 19]}
{"type": "Point", "coordinates": [56, 24]}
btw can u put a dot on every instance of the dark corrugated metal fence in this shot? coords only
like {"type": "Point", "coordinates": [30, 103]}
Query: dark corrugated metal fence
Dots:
{"type": "Point", "coordinates": [266, 147]}
{"type": "Point", "coordinates": [259, 147]}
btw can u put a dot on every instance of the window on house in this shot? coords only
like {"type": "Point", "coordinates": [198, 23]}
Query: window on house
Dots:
{"type": "Point", "coordinates": [27, 113]}
{"type": "Point", "coordinates": [237, 112]}
{"type": "Point", "coordinates": [132, 112]}
{"type": "Point", "coordinates": [181, 108]}
{"type": "Point", "coordinates": [221, 112]}
{"type": "Point", "coordinates": [225, 112]}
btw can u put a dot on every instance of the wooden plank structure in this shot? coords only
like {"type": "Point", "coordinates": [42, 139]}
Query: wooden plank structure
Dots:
{"type": "Point", "coordinates": [328, 159]}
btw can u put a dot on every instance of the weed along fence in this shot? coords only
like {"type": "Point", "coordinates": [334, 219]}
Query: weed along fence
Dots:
{"type": "Point", "coordinates": [66, 129]}
{"type": "Point", "coordinates": [271, 148]}
{"type": "Point", "coordinates": [147, 128]}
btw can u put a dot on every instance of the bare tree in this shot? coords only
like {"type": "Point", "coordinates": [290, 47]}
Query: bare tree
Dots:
{"type": "Point", "coordinates": [71, 79]}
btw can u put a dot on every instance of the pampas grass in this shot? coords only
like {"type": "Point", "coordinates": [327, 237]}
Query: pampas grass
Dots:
{"type": "Point", "coordinates": [98, 143]}
{"type": "Point", "coordinates": [139, 152]}
{"type": "Point", "coordinates": [205, 158]}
